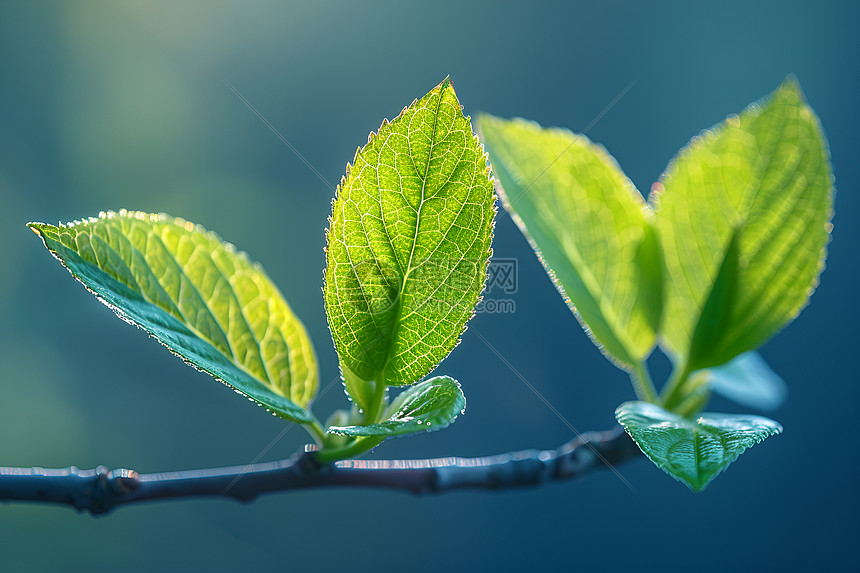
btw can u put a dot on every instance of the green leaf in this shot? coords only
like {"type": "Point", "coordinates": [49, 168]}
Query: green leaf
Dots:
{"type": "Point", "coordinates": [716, 314]}
{"type": "Point", "coordinates": [696, 396]}
{"type": "Point", "coordinates": [199, 297]}
{"type": "Point", "coordinates": [361, 392]}
{"type": "Point", "coordinates": [692, 451]}
{"type": "Point", "coordinates": [589, 226]}
{"type": "Point", "coordinates": [765, 176]}
{"type": "Point", "coordinates": [429, 405]}
{"type": "Point", "coordinates": [409, 242]}
{"type": "Point", "coordinates": [749, 381]}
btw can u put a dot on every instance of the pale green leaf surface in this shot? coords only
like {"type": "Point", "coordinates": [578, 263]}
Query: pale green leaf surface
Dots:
{"type": "Point", "coordinates": [361, 392]}
{"type": "Point", "coordinates": [426, 406]}
{"type": "Point", "coordinates": [409, 242]}
{"type": "Point", "coordinates": [199, 297]}
{"type": "Point", "coordinates": [766, 174]}
{"type": "Point", "coordinates": [589, 226]}
{"type": "Point", "coordinates": [749, 381]}
{"type": "Point", "coordinates": [692, 451]}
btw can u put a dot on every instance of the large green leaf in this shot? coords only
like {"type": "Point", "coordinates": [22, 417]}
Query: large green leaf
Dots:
{"type": "Point", "coordinates": [429, 405]}
{"type": "Point", "coordinates": [589, 226]}
{"type": "Point", "coordinates": [409, 242]}
{"type": "Point", "coordinates": [199, 297]}
{"type": "Point", "coordinates": [765, 177]}
{"type": "Point", "coordinates": [692, 451]}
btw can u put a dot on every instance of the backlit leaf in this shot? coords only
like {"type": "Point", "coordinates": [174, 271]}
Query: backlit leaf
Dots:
{"type": "Point", "coordinates": [409, 242]}
{"type": "Point", "coordinates": [590, 227]}
{"type": "Point", "coordinates": [765, 176]}
{"type": "Point", "coordinates": [716, 314]}
{"type": "Point", "coordinates": [199, 297]}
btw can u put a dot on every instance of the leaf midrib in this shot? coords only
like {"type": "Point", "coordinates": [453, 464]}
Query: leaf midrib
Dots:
{"type": "Point", "coordinates": [398, 314]}
{"type": "Point", "coordinates": [443, 282]}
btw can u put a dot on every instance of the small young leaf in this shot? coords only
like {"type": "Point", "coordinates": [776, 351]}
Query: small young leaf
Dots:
{"type": "Point", "coordinates": [692, 451]}
{"type": "Point", "coordinates": [749, 381]}
{"type": "Point", "coordinates": [589, 226]}
{"type": "Point", "coordinates": [199, 297]}
{"type": "Point", "coordinates": [429, 405]}
{"type": "Point", "coordinates": [764, 175]}
{"type": "Point", "coordinates": [409, 242]}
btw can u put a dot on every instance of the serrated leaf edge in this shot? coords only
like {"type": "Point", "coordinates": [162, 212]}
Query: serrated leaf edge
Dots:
{"type": "Point", "coordinates": [38, 227]}
{"type": "Point", "coordinates": [446, 83]}
{"type": "Point", "coordinates": [638, 198]}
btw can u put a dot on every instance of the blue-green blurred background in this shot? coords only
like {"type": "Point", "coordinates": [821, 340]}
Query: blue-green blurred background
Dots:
{"type": "Point", "coordinates": [108, 105]}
